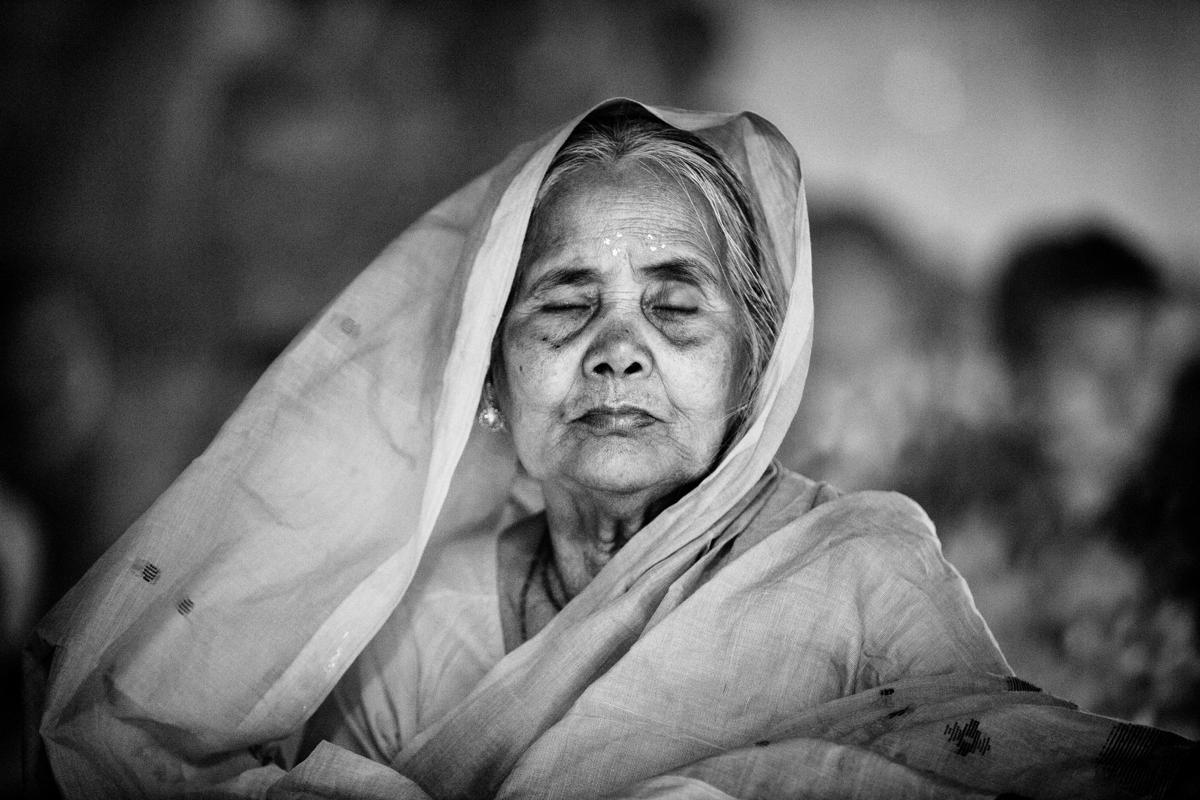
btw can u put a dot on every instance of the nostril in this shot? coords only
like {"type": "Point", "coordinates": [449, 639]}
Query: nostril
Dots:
{"type": "Point", "coordinates": [617, 354]}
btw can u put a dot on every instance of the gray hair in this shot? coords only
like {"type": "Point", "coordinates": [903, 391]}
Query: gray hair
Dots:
{"type": "Point", "coordinates": [754, 284]}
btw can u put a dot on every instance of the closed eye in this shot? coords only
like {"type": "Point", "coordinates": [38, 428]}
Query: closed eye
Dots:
{"type": "Point", "coordinates": [665, 308]}
{"type": "Point", "coordinates": [675, 300]}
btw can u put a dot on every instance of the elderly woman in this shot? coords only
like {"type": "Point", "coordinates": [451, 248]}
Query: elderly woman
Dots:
{"type": "Point", "coordinates": [608, 589]}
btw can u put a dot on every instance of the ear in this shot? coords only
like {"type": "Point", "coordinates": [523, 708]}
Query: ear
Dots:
{"type": "Point", "coordinates": [490, 416]}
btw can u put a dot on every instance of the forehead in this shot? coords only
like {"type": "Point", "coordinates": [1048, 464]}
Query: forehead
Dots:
{"type": "Point", "coordinates": [618, 207]}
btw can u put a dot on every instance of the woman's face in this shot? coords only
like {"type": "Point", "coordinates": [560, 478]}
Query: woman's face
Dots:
{"type": "Point", "coordinates": [620, 345]}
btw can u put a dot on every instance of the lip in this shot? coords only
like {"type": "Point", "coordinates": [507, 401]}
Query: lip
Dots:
{"type": "Point", "coordinates": [616, 419]}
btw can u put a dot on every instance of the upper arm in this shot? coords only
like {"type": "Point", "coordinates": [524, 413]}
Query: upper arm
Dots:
{"type": "Point", "coordinates": [917, 612]}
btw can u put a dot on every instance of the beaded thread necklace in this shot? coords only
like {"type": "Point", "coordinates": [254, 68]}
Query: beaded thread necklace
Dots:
{"type": "Point", "coordinates": [544, 568]}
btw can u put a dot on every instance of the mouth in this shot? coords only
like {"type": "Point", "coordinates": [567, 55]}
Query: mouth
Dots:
{"type": "Point", "coordinates": [615, 419]}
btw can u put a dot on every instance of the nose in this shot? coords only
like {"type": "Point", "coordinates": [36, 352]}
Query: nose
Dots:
{"type": "Point", "coordinates": [618, 351]}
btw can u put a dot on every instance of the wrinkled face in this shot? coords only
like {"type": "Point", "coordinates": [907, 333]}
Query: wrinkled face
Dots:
{"type": "Point", "coordinates": [620, 346]}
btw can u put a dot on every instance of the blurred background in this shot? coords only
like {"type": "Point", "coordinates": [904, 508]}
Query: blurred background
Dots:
{"type": "Point", "coordinates": [1006, 238]}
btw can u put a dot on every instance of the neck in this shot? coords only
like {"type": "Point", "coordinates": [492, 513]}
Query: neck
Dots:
{"type": "Point", "coordinates": [587, 529]}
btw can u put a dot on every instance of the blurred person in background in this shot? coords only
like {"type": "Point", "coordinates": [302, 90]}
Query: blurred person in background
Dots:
{"type": "Point", "coordinates": [1026, 505]}
{"type": "Point", "coordinates": [56, 393]}
{"type": "Point", "coordinates": [1076, 312]}
{"type": "Point", "coordinates": [55, 389]}
{"type": "Point", "coordinates": [885, 356]}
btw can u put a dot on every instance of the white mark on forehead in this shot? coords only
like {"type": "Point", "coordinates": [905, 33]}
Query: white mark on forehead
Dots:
{"type": "Point", "coordinates": [618, 242]}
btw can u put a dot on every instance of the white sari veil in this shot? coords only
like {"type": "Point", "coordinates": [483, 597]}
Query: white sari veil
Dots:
{"type": "Point", "coordinates": [221, 619]}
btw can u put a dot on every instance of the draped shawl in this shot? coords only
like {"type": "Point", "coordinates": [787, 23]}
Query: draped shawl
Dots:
{"type": "Point", "coordinates": [221, 619]}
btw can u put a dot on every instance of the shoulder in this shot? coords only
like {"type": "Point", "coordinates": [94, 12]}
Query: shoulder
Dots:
{"type": "Point", "coordinates": [806, 531]}
{"type": "Point", "coordinates": [826, 519]}
{"type": "Point", "coordinates": [875, 559]}
{"type": "Point", "coordinates": [887, 523]}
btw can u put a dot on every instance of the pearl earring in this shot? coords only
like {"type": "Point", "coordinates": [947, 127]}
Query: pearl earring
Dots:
{"type": "Point", "coordinates": [490, 416]}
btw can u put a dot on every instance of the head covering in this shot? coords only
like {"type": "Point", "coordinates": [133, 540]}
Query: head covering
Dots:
{"type": "Point", "coordinates": [226, 613]}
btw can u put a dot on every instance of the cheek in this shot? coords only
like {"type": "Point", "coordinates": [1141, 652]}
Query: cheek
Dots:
{"type": "Point", "coordinates": [701, 380]}
{"type": "Point", "coordinates": [537, 373]}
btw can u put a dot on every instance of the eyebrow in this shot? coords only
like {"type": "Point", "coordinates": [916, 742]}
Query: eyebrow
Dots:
{"type": "Point", "coordinates": [563, 276]}
{"type": "Point", "coordinates": [683, 270]}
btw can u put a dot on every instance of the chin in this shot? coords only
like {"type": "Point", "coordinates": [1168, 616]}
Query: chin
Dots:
{"type": "Point", "coordinates": [617, 481]}
{"type": "Point", "coordinates": [629, 470]}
